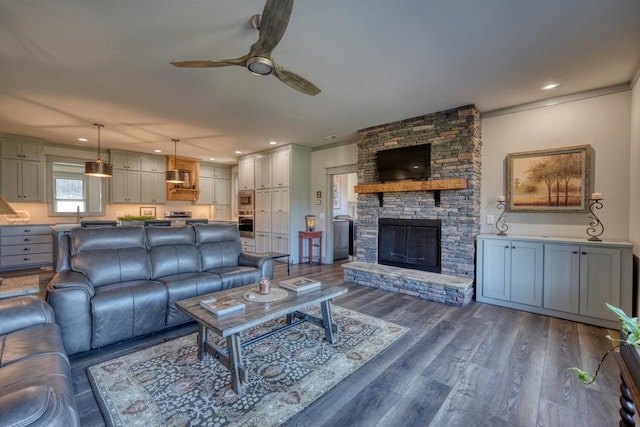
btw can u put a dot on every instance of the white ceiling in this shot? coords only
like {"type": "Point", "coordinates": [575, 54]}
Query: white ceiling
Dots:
{"type": "Point", "coordinates": [66, 64]}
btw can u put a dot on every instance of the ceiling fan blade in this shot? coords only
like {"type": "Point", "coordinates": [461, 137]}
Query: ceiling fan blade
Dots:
{"type": "Point", "coordinates": [273, 24]}
{"type": "Point", "coordinates": [295, 81]}
{"type": "Point", "coordinates": [212, 63]}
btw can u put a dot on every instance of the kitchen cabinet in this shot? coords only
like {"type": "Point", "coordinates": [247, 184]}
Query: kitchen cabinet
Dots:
{"type": "Point", "coordinates": [280, 198]}
{"type": "Point", "coordinates": [263, 241]}
{"type": "Point", "coordinates": [128, 161]}
{"type": "Point", "coordinates": [281, 162]}
{"type": "Point", "coordinates": [152, 164]}
{"type": "Point", "coordinates": [280, 243]}
{"type": "Point", "coordinates": [214, 191]}
{"type": "Point", "coordinates": [25, 246]}
{"type": "Point", "coordinates": [246, 173]}
{"type": "Point", "coordinates": [263, 172]}
{"type": "Point", "coordinates": [569, 278]}
{"type": "Point", "coordinates": [23, 169]}
{"type": "Point", "coordinates": [248, 244]}
{"type": "Point", "coordinates": [262, 211]}
{"type": "Point", "coordinates": [152, 188]}
{"type": "Point", "coordinates": [125, 186]}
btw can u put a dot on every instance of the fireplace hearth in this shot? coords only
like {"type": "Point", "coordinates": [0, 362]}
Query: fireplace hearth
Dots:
{"type": "Point", "coordinates": [410, 243]}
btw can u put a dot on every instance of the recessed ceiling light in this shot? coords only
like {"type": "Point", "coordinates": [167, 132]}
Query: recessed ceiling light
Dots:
{"type": "Point", "coordinates": [83, 139]}
{"type": "Point", "coordinates": [157, 151]}
{"type": "Point", "coordinates": [212, 158]}
{"type": "Point", "coordinates": [272, 142]}
{"type": "Point", "coordinates": [550, 86]}
{"type": "Point", "coordinates": [238, 152]}
{"type": "Point", "coordinates": [331, 137]}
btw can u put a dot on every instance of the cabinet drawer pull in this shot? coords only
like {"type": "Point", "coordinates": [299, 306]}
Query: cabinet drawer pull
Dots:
{"type": "Point", "coordinates": [26, 249]}
{"type": "Point", "coordinates": [26, 258]}
{"type": "Point", "coordinates": [584, 253]}
{"type": "Point", "coordinates": [513, 247]}
{"type": "Point", "coordinates": [575, 252]}
{"type": "Point", "coordinates": [26, 230]}
{"type": "Point", "coordinates": [506, 247]}
{"type": "Point", "coordinates": [27, 239]}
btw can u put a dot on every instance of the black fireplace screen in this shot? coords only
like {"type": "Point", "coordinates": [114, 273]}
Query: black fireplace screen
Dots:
{"type": "Point", "coordinates": [410, 243]}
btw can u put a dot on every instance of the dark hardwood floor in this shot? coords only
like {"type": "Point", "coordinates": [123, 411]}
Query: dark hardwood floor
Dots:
{"type": "Point", "coordinates": [475, 366]}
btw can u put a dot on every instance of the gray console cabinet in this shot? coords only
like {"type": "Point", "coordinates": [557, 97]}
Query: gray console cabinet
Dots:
{"type": "Point", "coordinates": [568, 278]}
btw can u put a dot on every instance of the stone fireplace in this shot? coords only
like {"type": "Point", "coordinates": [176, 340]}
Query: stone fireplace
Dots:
{"type": "Point", "coordinates": [455, 141]}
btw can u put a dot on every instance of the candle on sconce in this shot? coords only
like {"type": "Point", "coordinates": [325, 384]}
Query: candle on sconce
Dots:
{"type": "Point", "coordinates": [501, 198]}
{"type": "Point", "coordinates": [596, 196]}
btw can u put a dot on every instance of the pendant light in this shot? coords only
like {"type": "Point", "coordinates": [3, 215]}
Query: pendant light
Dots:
{"type": "Point", "coordinates": [98, 167]}
{"type": "Point", "coordinates": [175, 176]}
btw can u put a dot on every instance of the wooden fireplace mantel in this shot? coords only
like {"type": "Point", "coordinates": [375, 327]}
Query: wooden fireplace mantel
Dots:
{"type": "Point", "coordinates": [435, 185]}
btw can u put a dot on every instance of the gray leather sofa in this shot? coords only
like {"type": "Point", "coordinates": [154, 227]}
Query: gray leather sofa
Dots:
{"type": "Point", "coordinates": [35, 375]}
{"type": "Point", "coordinates": [117, 283]}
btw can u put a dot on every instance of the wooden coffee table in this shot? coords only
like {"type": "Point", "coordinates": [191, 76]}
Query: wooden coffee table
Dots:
{"type": "Point", "coordinates": [230, 326]}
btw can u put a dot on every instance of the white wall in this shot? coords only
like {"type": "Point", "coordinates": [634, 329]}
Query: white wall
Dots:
{"type": "Point", "coordinates": [603, 122]}
{"type": "Point", "coordinates": [634, 157]}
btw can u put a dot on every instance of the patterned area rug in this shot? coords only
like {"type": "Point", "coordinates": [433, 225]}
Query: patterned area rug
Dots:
{"type": "Point", "coordinates": [166, 385]}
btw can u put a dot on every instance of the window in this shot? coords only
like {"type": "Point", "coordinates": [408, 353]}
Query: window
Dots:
{"type": "Point", "coordinates": [71, 191]}
{"type": "Point", "coordinates": [69, 194]}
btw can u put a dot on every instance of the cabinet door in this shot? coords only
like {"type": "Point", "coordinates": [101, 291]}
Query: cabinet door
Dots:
{"type": "Point", "coordinates": [280, 243]}
{"type": "Point", "coordinates": [263, 242]}
{"type": "Point", "coordinates": [206, 191]}
{"type": "Point", "coordinates": [152, 187]}
{"type": "Point", "coordinates": [263, 210]}
{"type": "Point", "coordinates": [222, 191]}
{"type": "Point", "coordinates": [246, 174]}
{"type": "Point", "coordinates": [526, 272]}
{"type": "Point", "coordinates": [125, 161]}
{"type": "Point", "coordinates": [11, 150]}
{"type": "Point", "coordinates": [496, 269]}
{"type": "Point", "coordinates": [12, 179]}
{"type": "Point", "coordinates": [125, 186]}
{"type": "Point", "coordinates": [599, 281]}
{"type": "Point", "coordinates": [152, 164]}
{"type": "Point", "coordinates": [281, 166]}
{"type": "Point", "coordinates": [263, 172]}
{"type": "Point", "coordinates": [562, 277]}
{"type": "Point", "coordinates": [32, 181]}
{"type": "Point", "coordinates": [207, 171]}
{"type": "Point", "coordinates": [222, 173]}
{"type": "Point", "coordinates": [33, 152]}
{"type": "Point", "coordinates": [280, 210]}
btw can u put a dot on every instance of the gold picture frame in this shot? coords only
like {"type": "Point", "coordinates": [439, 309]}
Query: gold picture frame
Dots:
{"type": "Point", "coordinates": [554, 180]}
{"type": "Point", "coordinates": [148, 211]}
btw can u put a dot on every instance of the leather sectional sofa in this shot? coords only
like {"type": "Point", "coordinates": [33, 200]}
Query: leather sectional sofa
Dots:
{"type": "Point", "coordinates": [117, 283]}
{"type": "Point", "coordinates": [35, 375]}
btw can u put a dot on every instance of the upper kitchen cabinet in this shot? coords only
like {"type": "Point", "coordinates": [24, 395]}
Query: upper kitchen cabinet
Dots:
{"type": "Point", "coordinates": [155, 164]}
{"type": "Point", "coordinates": [126, 161]}
{"type": "Point", "coordinates": [246, 173]}
{"type": "Point", "coordinates": [281, 164]}
{"type": "Point", "coordinates": [263, 172]}
{"type": "Point", "coordinates": [215, 185]}
{"type": "Point", "coordinates": [190, 189]}
{"type": "Point", "coordinates": [23, 168]}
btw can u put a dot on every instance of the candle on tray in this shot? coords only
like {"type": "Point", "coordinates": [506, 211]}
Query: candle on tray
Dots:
{"type": "Point", "coordinates": [596, 196]}
{"type": "Point", "coordinates": [501, 198]}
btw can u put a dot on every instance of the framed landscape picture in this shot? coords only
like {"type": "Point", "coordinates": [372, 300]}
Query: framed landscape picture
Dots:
{"type": "Point", "coordinates": [555, 180]}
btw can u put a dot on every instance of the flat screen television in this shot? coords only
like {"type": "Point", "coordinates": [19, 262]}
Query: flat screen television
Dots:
{"type": "Point", "coordinates": [407, 163]}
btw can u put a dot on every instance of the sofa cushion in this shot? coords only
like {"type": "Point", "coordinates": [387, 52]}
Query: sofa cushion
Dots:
{"type": "Point", "coordinates": [219, 245]}
{"type": "Point", "coordinates": [172, 251]}
{"type": "Point", "coordinates": [110, 255]}
{"type": "Point", "coordinates": [187, 285]}
{"type": "Point", "coordinates": [126, 310]}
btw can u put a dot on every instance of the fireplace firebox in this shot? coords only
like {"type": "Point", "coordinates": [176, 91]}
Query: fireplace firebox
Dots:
{"type": "Point", "coordinates": [410, 243]}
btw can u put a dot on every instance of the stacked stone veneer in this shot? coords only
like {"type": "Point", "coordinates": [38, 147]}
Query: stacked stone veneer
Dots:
{"type": "Point", "coordinates": [456, 144]}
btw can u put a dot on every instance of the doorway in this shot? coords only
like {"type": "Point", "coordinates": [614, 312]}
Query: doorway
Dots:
{"type": "Point", "coordinates": [342, 212]}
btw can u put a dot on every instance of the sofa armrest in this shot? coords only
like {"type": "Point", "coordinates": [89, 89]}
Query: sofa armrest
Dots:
{"type": "Point", "coordinates": [23, 312]}
{"type": "Point", "coordinates": [36, 405]}
{"type": "Point", "coordinates": [264, 262]}
{"type": "Point", "coordinates": [69, 293]}
{"type": "Point", "coordinates": [70, 279]}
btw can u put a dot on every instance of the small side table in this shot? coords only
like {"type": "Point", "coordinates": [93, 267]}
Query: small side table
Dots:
{"type": "Point", "coordinates": [311, 235]}
{"type": "Point", "coordinates": [276, 255]}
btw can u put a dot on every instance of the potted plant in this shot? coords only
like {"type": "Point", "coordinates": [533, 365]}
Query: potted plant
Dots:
{"type": "Point", "coordinates": [630, 337]}
{"type": "Point", "coordinates": [134, 219]}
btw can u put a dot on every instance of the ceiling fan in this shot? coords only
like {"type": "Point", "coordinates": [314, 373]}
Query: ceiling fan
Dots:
{"type": "Point", "coordinates": [271, 25]}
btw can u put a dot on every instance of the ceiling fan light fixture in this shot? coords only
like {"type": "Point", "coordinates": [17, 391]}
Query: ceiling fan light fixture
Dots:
{"type": "Point", "coordinates": [98, 168]}
{"type": "Point", "coordinates": [174, 176]}
{"type": "Point", "coordinates": [260, 66]}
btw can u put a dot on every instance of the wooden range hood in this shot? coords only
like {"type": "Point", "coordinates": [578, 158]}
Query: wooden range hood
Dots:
{"type": "Point", "coordinates": [435, 185]}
